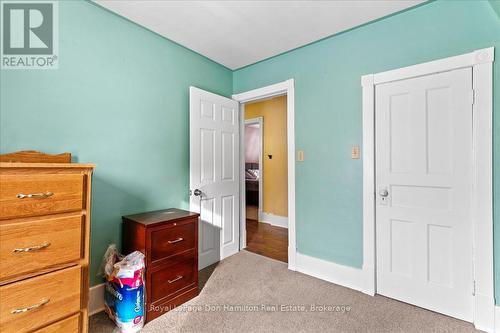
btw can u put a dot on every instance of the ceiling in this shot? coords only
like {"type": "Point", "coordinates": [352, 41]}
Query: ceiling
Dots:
{"type": "Point", "coordinates": [239, 33]}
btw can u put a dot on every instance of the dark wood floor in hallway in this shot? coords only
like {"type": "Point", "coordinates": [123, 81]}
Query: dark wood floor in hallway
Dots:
{"type": "Point", "coordinates": [267, 240]}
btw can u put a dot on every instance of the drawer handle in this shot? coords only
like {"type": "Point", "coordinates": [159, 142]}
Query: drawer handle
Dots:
{"type": "Point", "coordinates": [32, 248]}
{"type": "Point", "coordinates": [31, 307]}
{"type": "Point", "coordinates": [180, 239]}
{"type": "Point", "coordinates": [35, 195]}
{"type": "Point", "coordinates": [176, 279]}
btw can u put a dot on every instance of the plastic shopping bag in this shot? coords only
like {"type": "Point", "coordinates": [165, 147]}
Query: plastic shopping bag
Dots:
{"type": "Point", "coordinates": [124, 291]}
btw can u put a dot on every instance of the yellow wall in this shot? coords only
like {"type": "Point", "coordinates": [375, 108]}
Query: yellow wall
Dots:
{"type": "Point", "coordinates": [275, 173]}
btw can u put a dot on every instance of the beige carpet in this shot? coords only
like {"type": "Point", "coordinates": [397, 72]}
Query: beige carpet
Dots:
{"type": "Point", "coordinates": [252, 280]}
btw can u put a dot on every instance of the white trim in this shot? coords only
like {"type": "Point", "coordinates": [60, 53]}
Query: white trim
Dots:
{"type": "Point", "coordinates": [369, 183]}
{"type": "Point", "coordinates": [481, 63]}
{"type": "Point", "coordinates": [442, 65]}
{"type": "Point", "coordinates": [482, 191]}
{"type": "Point", "coordinates": [96, 299]}
{"type": "Point", "coordinates": [282, 88]}
{"type": "Point", "coordinates": [243, 199]}
{"type": "Point", "coordinates": [276, 220]}
{"type": "Point", "coordinates": [497, 319]}
{"type": "Point", "coordinates": [260, 122]}
{"type": "Point", "coordinates": [272, 90]}
{"type": "Point", "coordinates": [346, 276]}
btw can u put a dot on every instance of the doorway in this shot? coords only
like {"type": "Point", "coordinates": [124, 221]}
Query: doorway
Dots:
{"type": "Point", "coordinates": [266, 177]}
{"type": "Point", "coordinates": [285, 88]}
{"type": "Point", "coordinates": [253, 147]}
{"type": "Point", "coordinates": [217, 169]}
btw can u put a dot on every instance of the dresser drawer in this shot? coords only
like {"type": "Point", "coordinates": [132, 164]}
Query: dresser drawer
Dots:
{"type": "Point", "coordinates": [68, 325]}
{"type": "Point", "coordinates": [173, 239]}
{"type": "Point", "coordinates": [167, 281]}
{"type": "Point", "coordinates": [35, 245]}
{"type": "Point", "coordinates": [24, 195]}
{"type": "Point", "coordinates": [48, 297]}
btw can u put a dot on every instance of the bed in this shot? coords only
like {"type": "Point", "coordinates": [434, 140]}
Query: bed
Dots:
{"type": "Point", "coordinates": [252, 175]}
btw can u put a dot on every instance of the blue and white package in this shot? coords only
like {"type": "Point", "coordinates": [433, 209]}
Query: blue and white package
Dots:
{"type": "Point", "coordinates": [127, 304]}
{"type": "Point", "coordinates": [124, 293]}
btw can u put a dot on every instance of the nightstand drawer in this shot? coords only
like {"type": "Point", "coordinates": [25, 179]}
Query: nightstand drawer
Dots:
{"type": "Point", "coordinates": [33, 303]}
{"type": "Point", "coordinates": [30, 246]}
{"type": "Point", "coordinates": [169, 240]}
{"type": "Point", "coordinates": [173, 239]}
{"type": "Point", "coordinates": [167, 281]}
{"type": "Point", "coordinates": [24, 195]}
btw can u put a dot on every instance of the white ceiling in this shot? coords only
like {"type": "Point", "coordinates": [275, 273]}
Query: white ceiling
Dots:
{"type": "Point", "coordinates": [240, 33]}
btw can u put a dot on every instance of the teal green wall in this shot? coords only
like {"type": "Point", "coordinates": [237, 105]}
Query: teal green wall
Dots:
{"type": "Point", "coordinates": [119, 99]}
{"type": "Point", "coordinates": [328, 111]}
{"type": "Point", "coordinates": [495, 4]}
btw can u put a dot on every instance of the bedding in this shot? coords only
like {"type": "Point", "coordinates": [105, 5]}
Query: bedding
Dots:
{"type": "Point", "coordinates": [251, 174]}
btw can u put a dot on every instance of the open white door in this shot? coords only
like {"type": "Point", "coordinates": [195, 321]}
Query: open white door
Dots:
{"type": "Point", "coordinates": [214, 177]}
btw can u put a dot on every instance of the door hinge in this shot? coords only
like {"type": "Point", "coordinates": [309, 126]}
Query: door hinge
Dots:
{"type": "Point", "coordinates": [474, 288]}
{"type": "Point", "coordinates": [472, 97]}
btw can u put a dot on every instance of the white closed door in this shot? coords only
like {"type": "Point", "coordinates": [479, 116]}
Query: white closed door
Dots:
{"type": "Point", "coordinates": [423, 182]}
{"type": "Point", "coordinates": [214, 178]}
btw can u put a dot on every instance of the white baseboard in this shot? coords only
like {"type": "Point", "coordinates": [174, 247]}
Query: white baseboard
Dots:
{"type": "Point", "coordinates": [96, 299]}
{"type": "Point", "coordinates": [345, 276]}
{"type": "Point", "coordinates": [486, 314]}
{"type": "Point", "coordinates": [497, 320]}
{"type": "Point", "coordinates": [276, 220]}
{"type": "Point", "coordinates": [359, 279]}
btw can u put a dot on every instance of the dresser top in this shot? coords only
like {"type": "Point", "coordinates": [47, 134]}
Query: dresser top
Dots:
{"type": "Point", "coordinates": [159, 216]}
{"type": "Point", "coordinates": [18, 165]}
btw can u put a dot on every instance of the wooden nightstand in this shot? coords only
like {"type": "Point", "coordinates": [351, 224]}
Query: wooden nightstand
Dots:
{"type": "Point", "coordinates": [169, 239]}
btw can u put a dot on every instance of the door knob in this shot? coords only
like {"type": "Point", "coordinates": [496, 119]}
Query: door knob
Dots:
{"type": "Point", "coordinates": [383, 193]}
{"type": "Point", "coordinates": [197, 192]}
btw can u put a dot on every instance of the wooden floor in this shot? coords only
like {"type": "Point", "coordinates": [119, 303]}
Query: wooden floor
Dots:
{"type": "Point", "coordinates": [267, 240]}
{"type": "Point", "coordinates": [252, 212]}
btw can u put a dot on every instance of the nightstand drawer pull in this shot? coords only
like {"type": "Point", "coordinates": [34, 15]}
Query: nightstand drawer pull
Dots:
{"type": "Point", "coordinates": [180, 239]}
{"type": "Point", "coordinates": [31, 307]}
{"type": "Point", "coordinates": [176, 279]}
{"type": "Point", "coordinates": [35, 195]}
{"type": "Point", "coordinates": [32, 248]}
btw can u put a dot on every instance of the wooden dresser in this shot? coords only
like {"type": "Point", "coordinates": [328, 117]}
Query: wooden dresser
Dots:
{"type": "Point", "coordinates": [44, 243]}
{"type": "Point", "coordinates": [169, 239]}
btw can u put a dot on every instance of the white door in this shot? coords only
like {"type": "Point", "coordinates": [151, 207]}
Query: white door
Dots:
{"type": "Point", "coordinates": [214, 178]}
{"type": "Point", "coordinates": [423, 182]}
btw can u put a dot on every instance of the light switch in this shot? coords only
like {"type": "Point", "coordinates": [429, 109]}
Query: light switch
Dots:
{"type": "Point", "coordinates": [355, 152]}
{"type": "Point", "coordinates": [300, 155]}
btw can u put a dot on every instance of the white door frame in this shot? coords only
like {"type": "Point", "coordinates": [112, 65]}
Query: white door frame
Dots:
{"type": "Point", "coordinates": [481, 62]}
{"type": "Point", "coordinates": [281, 88]}
{"type": "Point", "coordinates": [260, 122]}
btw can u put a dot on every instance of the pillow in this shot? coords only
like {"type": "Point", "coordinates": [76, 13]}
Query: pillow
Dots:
{"type": "Point", "coordinates": [250, 174]}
